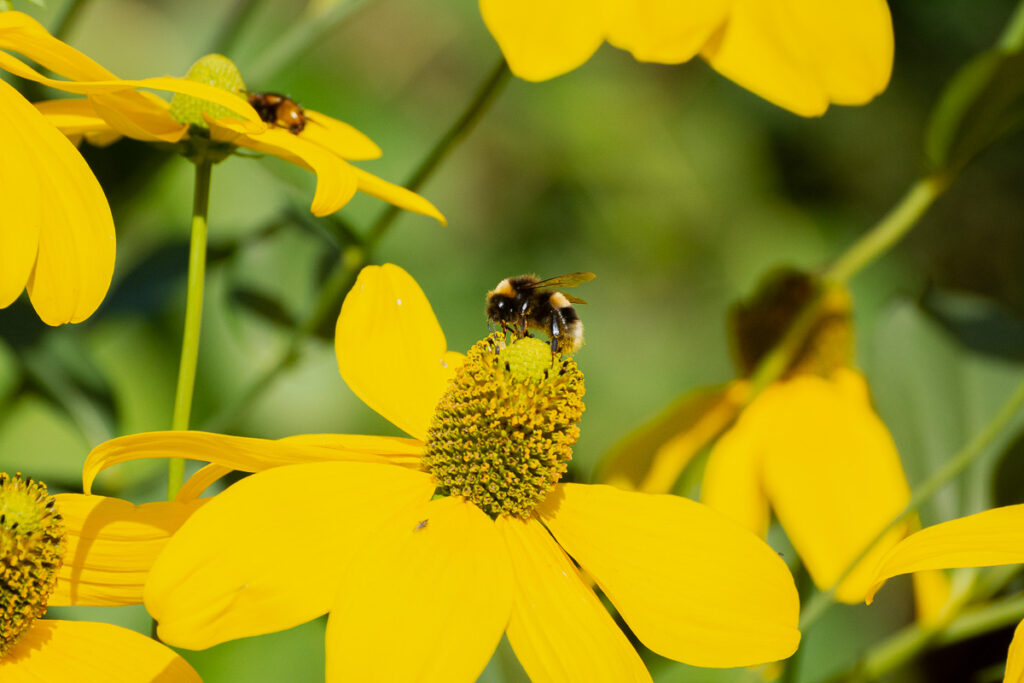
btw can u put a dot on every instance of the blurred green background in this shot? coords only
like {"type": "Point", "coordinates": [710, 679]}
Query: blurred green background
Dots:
{"type": "Point", "coordinates": [678, 188]}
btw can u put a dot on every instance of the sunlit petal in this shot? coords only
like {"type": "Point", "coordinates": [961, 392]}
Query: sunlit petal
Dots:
{"type": "Point", "coordinates": [559, 630]}
{"type": "Point", "coordinates": [73, 116]}
{"type": "Point", "coordinates": [21, 198]}
{"type": "Point", "coordinates": [75, 257]}
{"type": "Point", "coordinates": [91, 652]}
{"type": "Point", "coordinates": [665, 31]}
{"type": "Point", "coordinates": [832, 475]}
{"type": "Point", "coordinates": [1015, 657]}
{"type": "Point", "coordinates": [235, 452]}
{"type": "Point", "coordinates": [200, 481]}
{"type": "Point", "coordinates": [21, 33]}
{"type": "Point", "coordinates": [339, 137]}
{"type": "Point", "coordinates": [803, 54]}
{"type": "Point", "coordinates": [986, 539]}
{"type": "Point", "coordinates": [395, 449]}
{"type": "Point", "coordinates": [267, 553]}
{"type": "Point", "coordinates": [335, 178]}
{"type": "Point", "coordinates": [542, 39]}
{"type": "Point", "coordinates": [397, 195]}
{"type": "Point", "coordinates": [391, 350]}
{"type": "Point", "coordinates": [692, 584]}
{"type": "Point", "coordinates": [428, 600]}
{"type": "Point", "coordinates": [111, 545]}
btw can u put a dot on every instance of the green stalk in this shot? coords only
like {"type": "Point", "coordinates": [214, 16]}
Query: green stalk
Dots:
{"type": "Point", "coordinates": [344, 273]}
{"type": "Point", "coordinates": [924, 491]}
{"type": "Point", "coordinates": [193, 320]}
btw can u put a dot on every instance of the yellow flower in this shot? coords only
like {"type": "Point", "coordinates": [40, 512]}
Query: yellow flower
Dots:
{"type": "Point", "coordinates": [809, 447]}
{"type": "Point", "coordinates": [421, 586]}
{"type": "Point", "coordinates": [986, 539]}
{"type": "Point", "coordinates": [798, 54]}
{"type": "Point", "coordinates": [107, 546]}
{"type": "Point", "coordinates": [324, 146]}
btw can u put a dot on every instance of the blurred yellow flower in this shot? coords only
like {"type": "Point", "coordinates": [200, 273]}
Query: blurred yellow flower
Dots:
{"type": "Point", "coordinates": [324, 146]}
{"type": "Point", "coordinates": [799, 54]}
{"type": "Point", "coordinates": [107, 546]}
{"type": "Point", "coordinates": [421, 587]}
{"type": "Point", "coordinates": [986, 539]}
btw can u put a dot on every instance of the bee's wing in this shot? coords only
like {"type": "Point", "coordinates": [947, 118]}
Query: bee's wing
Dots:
{"type": "Point", "coordinates": [569, 280]}
{"type": "Point", "coordinates": [573, 299]}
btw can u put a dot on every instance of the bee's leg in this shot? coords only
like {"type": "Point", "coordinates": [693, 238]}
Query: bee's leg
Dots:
{"type": "Point", "coordinates": [555, 329]}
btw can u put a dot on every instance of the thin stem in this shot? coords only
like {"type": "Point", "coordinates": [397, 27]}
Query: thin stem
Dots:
{"type": "Point", "coordinates": [924, 491]}
{"type": "Point", "coordinates": [893, 227]}
{"type": "Point", "coordinates": [343, 275]}
{"type": "Point", "coordinates": [193, 319]}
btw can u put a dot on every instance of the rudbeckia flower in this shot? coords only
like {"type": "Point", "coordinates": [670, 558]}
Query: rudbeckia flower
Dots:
{"type": "Point", "coordinates": [83, 550]}
{"type": "Point", "coordinates": [425, 550]}
{"type": "Point", "coordinates": [324, 145]}
{"type": "Point", "coordinates": [809, 447]}
{"type": "Point", "coordinates": [798, 54]}
{"type": "Point", "coordinates": [986, 539]}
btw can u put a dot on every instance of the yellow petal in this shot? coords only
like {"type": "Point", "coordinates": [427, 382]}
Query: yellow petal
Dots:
{"type": "Point", "coordinates": [234, 452]}
{"type": "Point", "coordinates": [732, 476]}
{"type": "Point", "coordinates": [138, 115]}
{"type": "Point", "coordinates": [803, 54]}
{"type": "Point", "coordinates": [932, 590]}
{"type": "Point", "coordinates": [267, 553]}
{"type": "Point", "coordinates": [391, 350]}
{"type": "Point", "coordinates": [73, 116]}
{"type": "Point", "coordinates": [111, 545]}
{"type": "Point", "coordinates": [665, 31]}
{"type": "Point", "coordinates": [75, 258]}
{"type": "Point", "coordinates": [692, 585]}
{"type": "Point", "coordinates": [652, 459]}
{"type": "Point", "coordinates": [339, 137]}
{"type": "Point", "coordinates": [335, 178]}
{"type": "Point", "coordinates": [559, 630]}
{"type": "Point", "coordinates": [21, 198]}
{"type": "Point", "coordinates": [543, 39]}
{"type": "Point", "coordinates": [426, 601]}
{"type": "Point", "coordinates": [397, 195]}
{"type": "Point", "coordinates": [91, 652]}
{"type": "Point", "coordinates": [195, 485]}
{"type": "Point", "coordinates": [395, 449]}
{"type": "Point", "coordinates": [21, 33]}
{"type": "Point", "coordinates": [987, 539]}
{"type": "Point", "coordinates": [832, 475]}
{"type": "Point", "coordinates": [1015, 657]}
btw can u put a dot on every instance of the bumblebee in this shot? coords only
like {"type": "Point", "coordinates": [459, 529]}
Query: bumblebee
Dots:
{"type": "Point", "coordinates": [526, 302]}
{"type": "Point", "coordinates": [279, 109]}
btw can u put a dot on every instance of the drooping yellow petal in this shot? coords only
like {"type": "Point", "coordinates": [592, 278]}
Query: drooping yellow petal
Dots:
{"type": "Point", "coordinates": [234, 452]}
{"type": "Point", "coordinates": [732, 476]}
{"type": "Point", "coordinates": [200, 481]}
{"type": "Point", "coordinates": [111, 545]}
{"type": "Point", "coordinates": [543, 39]}
{"type": "Point", "coordinates": [692, 584]}
{"type": "Point", "coordinates": [395, 449]}
{"type": "Point", "coordinates": [267, 553]}
{"type": "Point", "coordinates": [21, 198]}
{"type": "Point", "coordinates": [75, 257]}
{"type": "Point", "coordinates": [91, 652]}
{"type": "Point", "coordinates": [336, 182]}
{"type": "Point", "coordinates": [665, 31]}
{"type": "Point", "coordinates": [428, 600]}
{"type": "Point", "coordinates": [397, 195]}
{"type": "Point", "coordinates": [1015, 657]}
{"type": "Point", "coordinates": [138, 115]}
{"type": "Point", "coordinates": [21, 33]}
{"type": "Point", "coordinates": [803, 54]}
{"type": "Point", "coordinates": [391, 350]}
{"type": "Point", "coordinates": [559, 630]}
{"type": "Point", "coordinates": [986, 539]}
{"type": "Point", "coordinates": [339, 137]}
{"type": "Point", "coordinates": [73, 116]}
{"type": "Point", "coordinates": [832, 475]}
{"type": "Point", "coordinates": [932, 590]}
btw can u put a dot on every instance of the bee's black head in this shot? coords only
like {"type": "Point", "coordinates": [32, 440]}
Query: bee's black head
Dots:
{"type": "Point", "coordinates": [500, 308]}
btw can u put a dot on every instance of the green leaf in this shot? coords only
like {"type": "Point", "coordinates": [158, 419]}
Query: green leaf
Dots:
{"type": "Point", "coordinates": [983, 102]}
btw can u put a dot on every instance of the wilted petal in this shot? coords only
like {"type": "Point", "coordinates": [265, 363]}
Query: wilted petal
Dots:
{"type": "Point", "coordinates": [428, 600]}
{"type": "Point", "coordinates": [559, 630]}
{"type": "Point", "coordinates": [91, 652]}
{"type": "Point", "coordinates": [391, 350]}
{"type": "Point", "coordinates": [692, 584]}
{"type": "Point", "coordinates": [267, 553]}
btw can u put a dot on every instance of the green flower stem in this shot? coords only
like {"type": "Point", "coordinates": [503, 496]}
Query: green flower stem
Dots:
{"type": "Point", "coordinates": [887, 232]}
{"type": "Point", "coordinates": [924, 491]}
{"type": "Point", "coordinates": [345, 272]}
{"type": "Point", "coordinates": [193, 320]}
